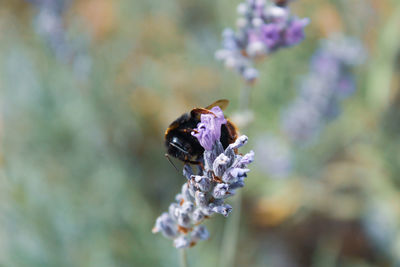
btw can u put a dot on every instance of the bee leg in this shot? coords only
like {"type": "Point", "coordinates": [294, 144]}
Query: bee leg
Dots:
{"type": "Point", "coordinates": [193, 162]}
{"type": "Point", "coordinates": [170, 161]}
{"type": "Point", "coordinates": [201, 165]}
{"type": "Point", "coordinates": [200, 169]}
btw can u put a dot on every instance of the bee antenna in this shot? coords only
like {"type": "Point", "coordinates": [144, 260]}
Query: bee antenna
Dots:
{"type": "Point", "coordinates": [170, 161]}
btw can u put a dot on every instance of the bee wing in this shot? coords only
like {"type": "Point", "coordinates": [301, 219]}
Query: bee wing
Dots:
{"type": "Point", "coordinates": [222, 103]}
{"type": "Point", "coordinates": [196, 112]}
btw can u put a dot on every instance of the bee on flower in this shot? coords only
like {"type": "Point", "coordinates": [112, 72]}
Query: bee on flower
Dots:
{"type": "Point", "coordinates": [221, 172]}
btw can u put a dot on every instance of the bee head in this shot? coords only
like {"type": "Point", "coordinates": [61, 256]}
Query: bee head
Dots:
{"type": "Point", "coordinates": [179, 148]}
{"type": "Point", "coordinates": [184, 147]}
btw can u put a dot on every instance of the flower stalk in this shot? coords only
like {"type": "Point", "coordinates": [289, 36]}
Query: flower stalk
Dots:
{"type": "Point", "coordinates": [263, 27]}
{"type": "Point", "coordinates": [203, 194]}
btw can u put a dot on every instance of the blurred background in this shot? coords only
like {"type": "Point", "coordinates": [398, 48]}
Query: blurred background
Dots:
{"type": "Point", "coordinates": [88, 87]}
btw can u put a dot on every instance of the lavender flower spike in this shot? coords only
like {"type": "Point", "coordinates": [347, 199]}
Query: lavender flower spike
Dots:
{"type": "Point", "coordinates": [328, 82]}
{"type": "Point", "coordinates": [205, 192]}
{"type": "Point", "coordinates": [263, 27]}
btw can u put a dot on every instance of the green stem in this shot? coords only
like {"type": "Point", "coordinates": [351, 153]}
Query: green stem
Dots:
{"type": "Point", "coordinates": [183, 257]}
{"type": "Point", "coordinates": [232, 225]}
{"type": "Point", "coordinates": [382, 64]}
{"type": "Point", "coordinates": [244, 98]}
{"type": "Point", "coordinates": [231, 234]}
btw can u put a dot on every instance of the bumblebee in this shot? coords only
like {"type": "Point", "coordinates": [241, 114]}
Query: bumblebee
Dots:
{"type": "Point", "coordinates": [181, 144]}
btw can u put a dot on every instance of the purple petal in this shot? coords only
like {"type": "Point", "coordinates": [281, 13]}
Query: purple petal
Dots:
{"type": "Point", "coordinates": [270, 34]}
{"type": "Point", "coordinates": [208, 131]}
{"type": "Point", "coordinates": [295, 32]}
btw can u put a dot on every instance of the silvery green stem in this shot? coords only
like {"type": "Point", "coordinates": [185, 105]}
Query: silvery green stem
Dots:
{"type": "Point", "coordinates": [381, 66]}
{"type": "Point", "coordinates": [231, 234]}
{"type": "Point", "coordinates": [232, 226]}
{"type": "Point", "coordinates": [183, 257]}
{"type": "Point", "coordinates": [244, 97]}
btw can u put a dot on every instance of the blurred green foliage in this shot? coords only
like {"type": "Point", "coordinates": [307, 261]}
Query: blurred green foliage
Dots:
{"type": "Point", "coordinates": [83, 173]}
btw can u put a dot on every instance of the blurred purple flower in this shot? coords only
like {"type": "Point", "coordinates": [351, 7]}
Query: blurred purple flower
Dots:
{"type": "Point", "coordinates": [294, 34]}
{"type": "Point", "coordinates": [262, 28]}
{"type": "Point", "coordinates": [270, 35]}
{"type": "Point", "coordinates": [320, 92]}
{"type": "Point", "coordinates": [49, 25]}
{"type": "Point", "coordinates": [300, 121]}
{"type": "Point", "coordinates": [275, 156]}
{"type": "Point", "coordinates": [346, 86]}
{"type": "Point", "coordinates": [324, 63]}
{"type": "Point", "coordinates": [328, 82]}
